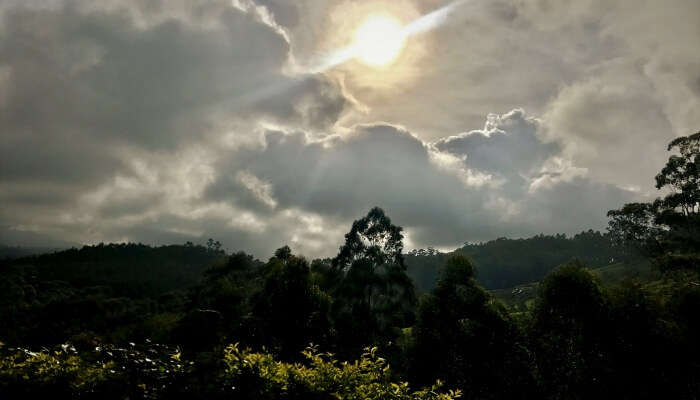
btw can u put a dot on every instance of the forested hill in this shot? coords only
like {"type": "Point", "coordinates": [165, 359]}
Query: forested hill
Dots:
{"type": "Point", "coordinates": [132, 270]}
{"type": "Point", "coordinates": [504, 263]}
{"type": "Point", "coordinates": [13, 252]}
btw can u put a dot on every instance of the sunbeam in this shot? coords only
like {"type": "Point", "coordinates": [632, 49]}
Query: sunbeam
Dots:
{"type": "Point", "coordinates": [418, 26]}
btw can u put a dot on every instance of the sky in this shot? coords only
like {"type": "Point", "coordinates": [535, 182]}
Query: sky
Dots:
{"type": "Point", "coordinates": [250, 121]}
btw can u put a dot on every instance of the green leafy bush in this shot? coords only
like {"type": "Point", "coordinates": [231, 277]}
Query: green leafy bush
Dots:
{"type": "Point", "coordinates": [260, 376]}
{"type": "Point", "coordinates": [60, 374]}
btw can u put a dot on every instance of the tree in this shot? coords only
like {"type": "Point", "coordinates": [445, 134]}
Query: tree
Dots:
{"type": "Point", "coordinates": [373, 296]}
{"type": "Point", "coordinates": [464, 335]}
{"type": "Point", "coordinates": [226, 289]}
{"type": "Point", "coordinates": [374, 239]}
{"type": "Point", "coordinates": [633, 229]}
{"type": "Point", "coordinates": [570, 332]}
{"type": "Point", "coordinates": [682, 176]}
{"type": "Point", "coordinates": [290, 311]}
{"type": "Point", "coordinates": [214, 246]}
{"type": "Point", "coordinates": [679, 211]}
{"type": "Point", "coordinates": [667, 230]}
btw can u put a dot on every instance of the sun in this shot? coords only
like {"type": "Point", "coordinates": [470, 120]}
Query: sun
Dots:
{"type": "Point", "coordinates": [379, 40]}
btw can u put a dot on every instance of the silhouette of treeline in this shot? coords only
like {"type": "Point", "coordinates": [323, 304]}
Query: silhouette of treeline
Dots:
{"type": "Point", "coordinates": [138, 270]}
{"type": "Point", "coordinates": [240, 330]}
{"type": "Point", "coordinates": [134, 270]}
{"type": "Point", "coordinates": [122, 283]}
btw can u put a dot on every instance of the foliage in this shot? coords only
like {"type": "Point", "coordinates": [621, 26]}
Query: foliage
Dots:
{"type": "Point", "coordinates": [127, 269]}
{"type": "Point", "coordinates": [570, 319]}
{"type": "Point", "coordinates": [681, 175]}
{"type": "Point", "coordinates": [145, 372]}
{"type": "Point", "coordinates": [373, 296]}
{"type": "Point", "coordinates": [372, 238]}
{"type": "Point", "coordinates": [463, 335]}
{"type": "Point", "coordinates": [58, 374]}
{"type": "Point", "coordinates": [260, 376]}
{"type": "Point", "coordinates": [423, 266]}
{"type": "Point", "coordinates": [290, 310]}
{"type": "Point", "coordinates": [634, 230]}
{"type": "Point", "coordinates": [668, 229]}
{"type": "Point", "coordinates": [155, 372]}
{"type": "Point", "coordinates": [223, 299]}
{"type": "Point", "coordinates": [504, 263]}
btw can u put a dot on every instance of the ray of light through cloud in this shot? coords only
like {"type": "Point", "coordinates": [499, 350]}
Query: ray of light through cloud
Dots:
{"type": "Point", "coordinates": [418, 26]}
{"type": "Point", "coordinates": [432, 20]}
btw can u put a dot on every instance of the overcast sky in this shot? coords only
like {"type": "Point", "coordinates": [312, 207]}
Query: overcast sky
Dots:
{"type": "Point", "coordinates": [167, 121]}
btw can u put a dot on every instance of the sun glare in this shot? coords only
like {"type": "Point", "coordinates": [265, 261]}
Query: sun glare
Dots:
{"type": "Point", "coordinates": [379, 40]}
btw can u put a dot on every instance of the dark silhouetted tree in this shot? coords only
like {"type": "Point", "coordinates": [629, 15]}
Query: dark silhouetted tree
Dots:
{"type": "Point", "coordinates": [464, 336]}
{"type": "Point", "coordinates": [570, 332]}
{"type": "Point", "coordinates": [373, 295]}
{"type": "Point", "coordinates": [668, 230]}
{"type": "Point", "coordinates": [290, 311]}
{"type": "Point", "coordinates": [374, 239]}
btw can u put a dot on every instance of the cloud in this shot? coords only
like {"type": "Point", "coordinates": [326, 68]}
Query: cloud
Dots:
{"type": "Point", "coordinates": [89, 81]}
{"type": "Point", "coordinates": [607, 122]}
{"type": "Point", "coordinates": [341, 176]}
{"type": "Point", "coordinates": [624, 69]}
{"type": "Point", "coordinates": [170, 121]}
{"type": "Point", "coordinates": [88, 90]}
{"type": "Point", "coordinates": [508, 145]}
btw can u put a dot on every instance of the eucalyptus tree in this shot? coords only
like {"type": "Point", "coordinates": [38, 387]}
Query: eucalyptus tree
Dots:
{"type": "Point", "coordinates": [373, 296]}
{"type": "Point", "coordinates": [668, 229]}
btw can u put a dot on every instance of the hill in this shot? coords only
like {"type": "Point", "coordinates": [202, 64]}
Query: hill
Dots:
{"type": "Point", "coordinates": [132, 270]}
{"type": "Point", "coordinates": [506, 263]}
{"type": "Point", "coordinates": [522, 297]}
{"type": "Point", "coordinates": [115, 290]}
{"type": "Point", "coordinates": [14, 252]}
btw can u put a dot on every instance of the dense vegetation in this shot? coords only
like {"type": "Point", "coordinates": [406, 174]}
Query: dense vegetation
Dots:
{"type": "Point", "coordinates": [133, 321]}
{"type": "Point", "coordinates": [504, 263]}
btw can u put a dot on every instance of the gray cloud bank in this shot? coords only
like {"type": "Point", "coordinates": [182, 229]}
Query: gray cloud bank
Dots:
{"type": "Point", "coordinates": [163, 122]}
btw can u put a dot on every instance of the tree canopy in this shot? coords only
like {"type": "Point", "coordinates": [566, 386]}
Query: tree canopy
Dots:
{"type": "Point", "coordinates": [667, 229]}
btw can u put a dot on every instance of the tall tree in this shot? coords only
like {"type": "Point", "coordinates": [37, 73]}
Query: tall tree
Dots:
{"type": "Point", "coordinates": [682, 176]}
{"type": "Point", "coordinates": [668, 229]}
{"type": "Point", "coordinates": [373, 296]}
{"type": "Point", "coordinates": [633, 229]}
{"type": "Point", "coordinates": [372, 238]}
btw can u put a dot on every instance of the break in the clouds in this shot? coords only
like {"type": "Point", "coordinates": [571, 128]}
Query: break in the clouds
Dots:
{"type": "Point", "coordinates": [164, 122]}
